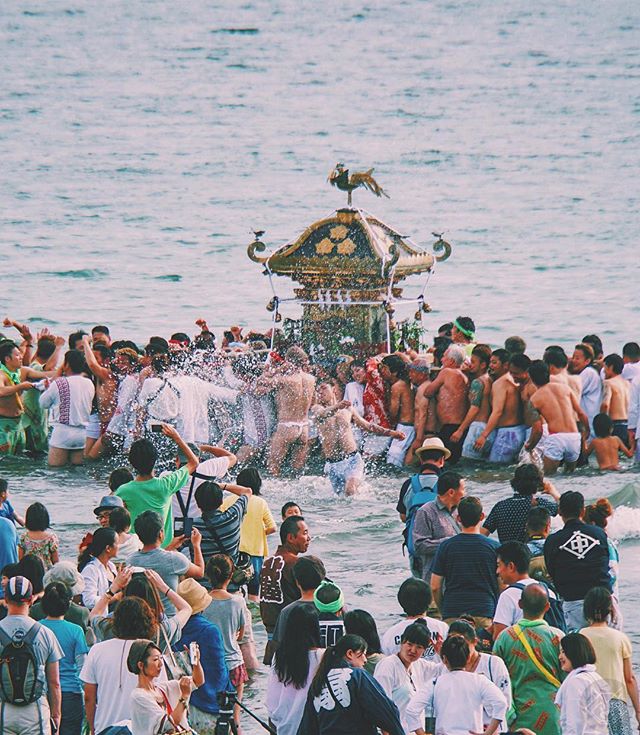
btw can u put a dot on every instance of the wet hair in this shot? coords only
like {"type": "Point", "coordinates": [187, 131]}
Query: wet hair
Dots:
{"type": "Point", "coordinates": [448, 481]}
{"type": "Point", "coordinates": [250, 477]}
{"type": "Point", "coordinates": [470, 511]}
{"type": "Point", "coordinates": [465, 629]}
{"type": "Point", "coordinates": [527, 480]}
{"type": "Point", "coordinates": [578, 649]}
{"type": "Point", "coordinates": [287, 505]}
{"type": "Point", "coordinates": [37, 517]}
{"type": "Point", "coordinates": [571, 504]}
{"type": "Point", "coordinates": [515, 345]}
{"type": "Point", "coordinates": [594, 342]}
{"type": "Point", "coordinates": [219, 569]}
{"type": "Point", "coordinates": [414, 596]}
{"type": "Point", "coordinates": [181, 337]}
{"type": "Point", "coordinates": [598, 513]}
{"type": "Point", "coordinates": [516, 553]}
{"type": "Point", "coordinates": [75, 337]}
{"type": "Point", "coordinates": [466, 322]}
{"type": "Point", "coordinates": [6, 348]}
{"type": "Point", "coordinates": [297, 356]}
{"type": "Point", "coordinates": [105, 352]}
{"type": "Point", "coordinates": [602, 425]}
{"type": "Point", "coordinates": [631, 350]}
{"type": "Point", "coordinates": [520, 361]}
{"type": "Point", "coordinates": [119, 477]}
{"type": "Point", "coordinates": [456, 650]}
{"type": "Point", "coordinates": [501, 354]}
{"type": "Point", "coordinates": [482, 352]}
{"type": "Point", "coordinates": [556, 357]}
{"type": "Point", "coordinates": [598, 605]}
{"type": "Point", "coordinates": [332, 658]}
{"type": "Point", "coordinates": [148, 526]}
{"type": "Point", "coordinates": [133, 618]}
{"type": "Point", "coordinates": [143, 456]}
{"type": "Point", "coordinates": [537, 519]}
{"type": "Point", "coordinates": [32, 567]}
{"type": "Point", "coordinates": [120, 520]}
{"type": "Point", "coordinates": [289, 527]}
{"type": "Point", "coordinates": [74, 360]}
{"type": "Point", "coordinates": [586, 349]}
{"type": "Point", "coordinates": [301, 634]}
{"type": "Point", "coordinates": [615, 362]}
{"type": "Point", "coordinates": [56, 600]}
{"type": "Point", "coordinates": [418, 633]}
{"type": "Point", "coordinates": [139, 586]}
{"type": "Point", "coordinates": [397, 366]}
{"type": "Point", "coordinates": [308, 572]}
{"type": "Point", "coordinates": [46, 348]}
{"type": "Point", "coordinates": [208, 496]}
{"type": "Point", "coordinates": [539, 372]}
{"type": "Point", "coordinates": [102, 537]}
{"type": "Point", "coordinates": [362, 623]}
{"type": "Point", "coordinates": [100, 329]}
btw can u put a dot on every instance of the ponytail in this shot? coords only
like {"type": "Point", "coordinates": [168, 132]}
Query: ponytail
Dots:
{"type": "Point", "coordinates": [102, 537]}
{"type": "Point", "coordinates": [332, 657]}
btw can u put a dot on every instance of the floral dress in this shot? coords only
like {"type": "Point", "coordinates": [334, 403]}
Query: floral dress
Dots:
{"type": "Point", "coordinates": [43, 548]}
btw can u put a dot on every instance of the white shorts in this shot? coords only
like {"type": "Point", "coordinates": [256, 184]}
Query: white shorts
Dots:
{"type": "Point", "coordinates": [93, 427]}
{"type": "Point", "coordinates": [345, 469]}
{"type": "Point", "coordinates": [475, 429]}
{"type": "Point", "coordinates": [507, 444]}
{"type": "Point", "coordinates": [564, 446]}
{"type": "Point", "coordinates": [399, 448]}
{"type": "Point", "coordinates": [67, 437]}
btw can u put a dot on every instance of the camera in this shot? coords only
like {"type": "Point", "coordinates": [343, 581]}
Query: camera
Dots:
{"type": "Point", "coordinates": [183, 527]}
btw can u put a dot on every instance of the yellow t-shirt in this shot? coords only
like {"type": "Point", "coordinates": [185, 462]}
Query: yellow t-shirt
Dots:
{"type": "Point", "coordinates": [253, 539]}
{"type": "Point", "coordinates": [611, 647]}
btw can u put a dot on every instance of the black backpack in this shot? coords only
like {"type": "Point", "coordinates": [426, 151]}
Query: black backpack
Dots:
{"type": "Point", "coordinates": [554, 615]}
{"type": "Point", "coordinates": [20, 683]}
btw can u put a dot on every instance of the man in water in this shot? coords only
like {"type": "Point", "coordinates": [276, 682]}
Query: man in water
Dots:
{"type": "Point", "coordinates": [419, 372]}
{"type": "Point", "coordinates": [615, 396]}
{"type": "Point", "coordinates": [557, 360]}
{"type": "Point", "coordinates": [463, 333]}
{"type": "Point", "coordinates": [293, 389]}
{"type": "Point", "coordinates": [557, 405]}
{"type": "Point", "coordinates": [98, 360]}
{"type": "Point", "coordinates": [506, 413]}
{"type": "Point", "coordinates": [480, 404]}
{"type": "Point", "coordinates": [394, 372]}
{"type": "Point", "coordinates": [450, 392]}
{"type": "Point", "coordinates": [344, 464]}
{"type": "Point", "coordinates": [582, 364]}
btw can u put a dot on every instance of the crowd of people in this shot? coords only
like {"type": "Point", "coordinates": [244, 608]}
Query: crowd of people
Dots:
{"type": "Point", "coordinates": [149, 629]}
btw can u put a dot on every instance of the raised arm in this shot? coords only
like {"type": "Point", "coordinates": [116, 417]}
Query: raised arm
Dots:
{"type": "Point", "coordinates": [96, 368]}
{"type": "Point", "coordinates": [172, 432]}
{"type": "Point", "coordinates": [219, 452]}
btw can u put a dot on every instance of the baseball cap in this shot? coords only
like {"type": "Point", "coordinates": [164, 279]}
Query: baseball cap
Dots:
{"type": "Point", "coordinates": [18, 589]}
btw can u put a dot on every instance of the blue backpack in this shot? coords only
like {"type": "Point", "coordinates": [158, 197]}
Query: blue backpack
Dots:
{"type": "Point", "coordinates": [417, 495]}
{"type": "Point", "coordinates": [554, 615]}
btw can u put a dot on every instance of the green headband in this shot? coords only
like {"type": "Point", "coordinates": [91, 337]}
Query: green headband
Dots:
{"type": "Point", "coordinates": [467, 332]}
{"type": "Point", "coordinates": [328, 607]}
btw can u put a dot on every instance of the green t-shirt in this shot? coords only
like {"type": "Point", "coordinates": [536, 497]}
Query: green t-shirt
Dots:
{"type": "Point", "coordinates": [154, 494]}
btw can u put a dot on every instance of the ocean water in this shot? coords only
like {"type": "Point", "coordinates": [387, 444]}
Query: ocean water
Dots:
{"type": "Point", "coordinates": [141, 143]}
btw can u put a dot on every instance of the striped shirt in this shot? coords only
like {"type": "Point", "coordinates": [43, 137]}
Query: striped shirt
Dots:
{"type": "Point", "coordinates": [226, 525]}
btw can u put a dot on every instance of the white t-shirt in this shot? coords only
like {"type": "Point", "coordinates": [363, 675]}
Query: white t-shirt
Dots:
{"type": "Point", "coordinates": [354, 393]}
{"type": "Point", "coordinates": [106, 666]}
{"type": "Point", "coordinates": [495, 669]}
{"type": "Point", "coordinates": [508, 611]}
{"type": "Point", "coordinates": [631, 370]}
{"type": "Point", "coordinates": [285, 703]}
{"type": "Point", "coordinates": [390, 642]}
{"type": "Point", "coordinates": [70, 400]}
{"type": "Point", "coordinates": [400, 683]}
{"type": "Point", "coordinates": [214, 468]}
{"type": "Point", "coordinates": [146, 713]}
{"type": "Point", "coordinates": [473, 692]}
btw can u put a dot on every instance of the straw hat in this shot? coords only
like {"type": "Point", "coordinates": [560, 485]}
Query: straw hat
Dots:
{"type": "Point", "coordinates": [431, 444]}
{"type": "Point", "coordinates": [195, 594]}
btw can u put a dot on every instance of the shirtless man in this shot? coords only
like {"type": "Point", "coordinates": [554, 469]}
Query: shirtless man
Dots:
{"type": "Point", "coordinates": [450, 391]}
{"type": "Point", "coordinates": [14, 380]}
{"type": "Point", "coordinates": [344, 464]}
{"type": "Point", "coordinates": [556, 404]}
{"type": "Point", "coordinates": [463, 333]}
{"type": "Point", "coordinates": [616, 395]}
{"type": "Point", "coordinates": [99, 361]}
{"type": "Point", "coordinates": [423, 417]}
{"type": "Point", "coordinates": [557, 360]}
{"type": "Point", "coordinates": [293, 390]}
{"type": "Point", "coordinates": [506, 413]}
{"type": "Point", "coordinates": [393, 371]}
{"type": "Point", "coordinates": [480, 406]}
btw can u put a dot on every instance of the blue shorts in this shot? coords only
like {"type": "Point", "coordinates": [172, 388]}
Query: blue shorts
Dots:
{"type": "Point", "coordinates": [343, 470]}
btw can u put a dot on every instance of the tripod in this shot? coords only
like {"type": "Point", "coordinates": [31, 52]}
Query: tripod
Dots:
{"type": "Point", "coordinates": [226, 724]}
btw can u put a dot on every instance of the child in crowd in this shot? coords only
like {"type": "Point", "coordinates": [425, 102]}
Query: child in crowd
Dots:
{"type": "Point", "coordinates": [38, 539]}
{"type": "Point", "coordinates": [6, 509]}
{"type": "Point", "coordinates": [329, 602]}
{"type": "Point", "coordinates": [605, 446]}
{"type": "Point", "coordinates": [118, 477]}
{"type": "Point", "coordinates": [290, 509]}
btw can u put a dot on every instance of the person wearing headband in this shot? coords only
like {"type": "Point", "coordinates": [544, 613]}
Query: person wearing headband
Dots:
{"type": "Point", "coordinates": [329, 602]}
{"type": "Point", "coordinates": [463, 333]}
